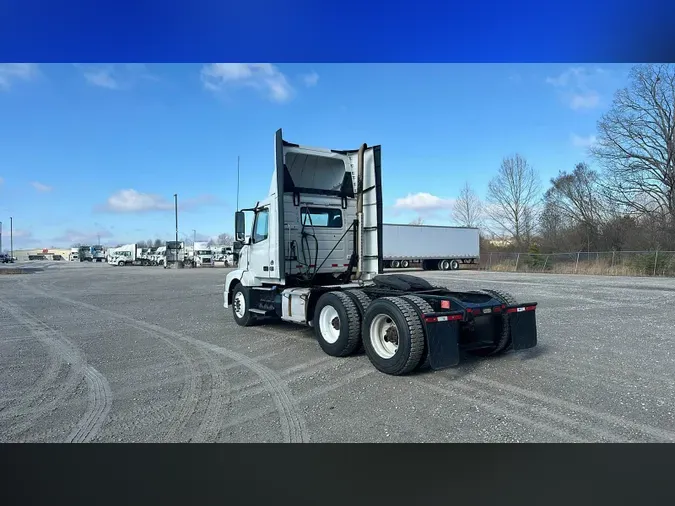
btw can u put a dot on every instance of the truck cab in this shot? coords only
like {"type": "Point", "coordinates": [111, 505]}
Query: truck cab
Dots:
{"type": "Point", "coordinates": [202, 255]}
{"type": "Point", "coordinates": [319, 223]}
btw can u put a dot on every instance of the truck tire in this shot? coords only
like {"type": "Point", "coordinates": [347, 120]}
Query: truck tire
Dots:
{"type": "Point", "coordinates": [424, 307]}
{"type": "Point", "coordinates": [454, 265]}
{"type": "Point", "coordinates": [504, 342]}
{"type": "Point", "coordinates": [405, 264]}
{"type": "Point", "coordinates": [120, 263]}
{"type": "Point", "coordinates": [362, 301]}
{"type": "Point", "coordinates": [337, 324]}
{"type": "Point", "coordinates": [392, 336]}
{"type": "Point", "coordinates": [444, 265]}
{"type": "Point", "coordinates": [395, 264]}
{"type": "Point", "coordinates": [240, 304]}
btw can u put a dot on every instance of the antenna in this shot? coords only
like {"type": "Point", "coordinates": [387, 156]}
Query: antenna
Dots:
{"type": "Point", "coordinates": [237, 182]}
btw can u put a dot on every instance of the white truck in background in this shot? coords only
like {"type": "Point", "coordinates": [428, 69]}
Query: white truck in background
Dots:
{"type": "Point", "coordinates": [159, 256]}
{"type": "Point", "coordinates": [429, 247]}
{"type": "Point", "coordinates": [129, 254]}
{"type": "Point", "coordinates": [74, 255]}
{"type": "Point", "coordinates": [97, 253]}
{"type": "Point", "coordinates": [202, 255]}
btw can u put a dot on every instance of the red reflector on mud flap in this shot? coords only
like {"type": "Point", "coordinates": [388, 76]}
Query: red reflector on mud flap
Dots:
{"type": "Point", "coordinates": [445, 304]}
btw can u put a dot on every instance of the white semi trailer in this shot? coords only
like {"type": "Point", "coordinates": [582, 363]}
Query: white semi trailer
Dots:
{"type": "Point", "coordinates": [315, 257]}
{"type": "Point", "coordinates": [430, 247]}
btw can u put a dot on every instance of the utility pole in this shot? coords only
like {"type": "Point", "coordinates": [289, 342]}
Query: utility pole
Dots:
{"type": "Point", "coordinates": [175, 205]}
{"type": "Point", "coordinates": [99, 239]}
{"type": "Point", "coordinates": [0, 237]}
{"type": "Point", "coordinates": [237, 183]}
{"type": "Point", "coordinates": [194, 237]}
{"type": "Point", "coordinates": [11, 238]}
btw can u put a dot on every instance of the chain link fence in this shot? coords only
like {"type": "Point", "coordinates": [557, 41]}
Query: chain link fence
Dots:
{"type": "Point", "coordinates": [609, 263]}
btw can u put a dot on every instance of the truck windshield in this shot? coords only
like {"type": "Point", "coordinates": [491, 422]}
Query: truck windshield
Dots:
{"type": "Point", "coordinates": [203, 252]}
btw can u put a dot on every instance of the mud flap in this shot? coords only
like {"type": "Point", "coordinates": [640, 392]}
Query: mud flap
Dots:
{"type": "Point", "coordinates": [443, 343]}
{"type": "Point", "coordinates": [523, 326]}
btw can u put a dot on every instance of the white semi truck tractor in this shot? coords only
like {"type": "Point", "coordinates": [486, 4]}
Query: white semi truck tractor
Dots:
{"type": "Point", "coordinates": [314, 257]}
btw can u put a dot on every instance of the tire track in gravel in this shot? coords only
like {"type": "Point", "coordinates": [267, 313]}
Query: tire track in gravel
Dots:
{"type": "Point", "coordinates": [100, 401]}
{"type": "Point", "coordinates": [293, 425]}
{"type": "Point", "coordinates": [606, 418]}
{"type": "Point", "coordinates": [49, 373]}
{"type": "Point", "coordinates": [100, 397]}
{"type": "Point", "coordinates": [470, 397]}
{"type": "Point", "coordinates": [191, 394]}
{"type": "Point", "coordinates": [319, 391]}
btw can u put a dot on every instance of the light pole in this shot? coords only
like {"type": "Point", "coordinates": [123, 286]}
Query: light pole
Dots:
{"type": "Point", "coordinates": [11, 238]}
{"type": "Point", "coordinates": [0, 237]}
{"type": "Point", "coordinates": [194, 237]}
{"type": "Point", "coordinates": [175, 206]}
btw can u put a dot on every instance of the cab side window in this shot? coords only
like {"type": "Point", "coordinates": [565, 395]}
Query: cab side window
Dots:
{"type": "Point", "coordinates": [260, 232]}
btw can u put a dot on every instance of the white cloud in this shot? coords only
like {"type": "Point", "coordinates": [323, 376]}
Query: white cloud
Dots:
{"type": "Point", "coordinates": [264, 77]}
{"type": "Point", "coordinates": [71, 236]}
{"type": "Point", "coordinates": [22, 234]}
{"type": "Point", "coordinates": [423, 202]}
{"type": "Point", "coordinates": [577, 87]}
{"type": "Point", "coordinates": [132, 201]}
{"type": "Point", "coordinates": [588, 100]}
{"type": "Point", "coordinates": [580, 141]}
{"type": "Point", "coordinates": [102, 78]}
{"type": "Point", "coordinates": [310, 79]}
{"type": "Point", "coordinates": [10, 72]}
{"type": "Point", "coordinates": [515, 77]}
{"type": "Point", "coordinates": [42, 188]}
{"type": "Point", "coordinates": [116, 76]}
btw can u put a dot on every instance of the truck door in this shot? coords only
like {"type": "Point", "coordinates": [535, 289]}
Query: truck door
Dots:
{"type": "Point", "coordinates": [261, 264]}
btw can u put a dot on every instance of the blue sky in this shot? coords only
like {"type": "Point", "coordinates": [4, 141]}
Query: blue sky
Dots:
{"type": "Point", "coordinates": [91, 150]}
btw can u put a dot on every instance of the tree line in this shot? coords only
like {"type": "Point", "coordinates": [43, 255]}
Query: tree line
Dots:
{"type": "Point", "coordinates": [622, 198]}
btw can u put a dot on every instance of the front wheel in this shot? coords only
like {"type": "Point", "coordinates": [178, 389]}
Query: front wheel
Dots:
{"type": "Point", "coordinates": [240, 304]}
{"type": "Point", "coordinates": [120, 263]}
{"type": "Point", "coordinates": [393, 336]}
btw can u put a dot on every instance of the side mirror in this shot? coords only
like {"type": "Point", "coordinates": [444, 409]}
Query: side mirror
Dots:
{"type": "Point", "coordinates": [239, 226]}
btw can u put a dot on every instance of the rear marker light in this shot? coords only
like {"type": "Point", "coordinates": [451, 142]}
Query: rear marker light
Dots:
{"type": "Point", "coordinates": [445, 304]}
{"type": "Point", "coordinates": [448, 318]}
{"type": "Point", "coordinates": [520, 309]}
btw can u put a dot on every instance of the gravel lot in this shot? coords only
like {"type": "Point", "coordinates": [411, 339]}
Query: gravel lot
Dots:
{"type": "Point", "coordinates": [93, 353]}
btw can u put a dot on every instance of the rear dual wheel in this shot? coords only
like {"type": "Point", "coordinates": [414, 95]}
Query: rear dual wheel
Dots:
{"type": "Point", "coordinates": [393, 336]}
{"type": "Point", "coordinates": [503, 341]}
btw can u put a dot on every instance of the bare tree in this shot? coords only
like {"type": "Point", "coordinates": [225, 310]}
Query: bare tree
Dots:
{"type": "Point", "coordinates": [636, 142]}
{"type": "Point", "coordinates": [225, 239]}
{"type": "Point", "coordinates": [417, 221]}
{"type": "Point", "coordinates": [468, 209]}
{"type": "Point", "coordinates": [513, 195]}
{"type": "Point", "coordinates": [158, 243]}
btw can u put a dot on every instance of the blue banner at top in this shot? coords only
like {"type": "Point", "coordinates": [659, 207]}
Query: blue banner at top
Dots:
{"type": "Point", "coordinates": [339, 31]}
